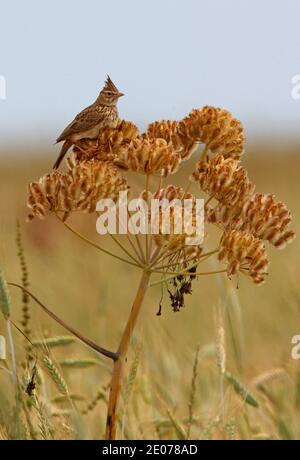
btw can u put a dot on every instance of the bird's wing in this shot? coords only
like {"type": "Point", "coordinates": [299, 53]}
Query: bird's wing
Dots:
{"type": "Point", "coordinates": [85, 120]}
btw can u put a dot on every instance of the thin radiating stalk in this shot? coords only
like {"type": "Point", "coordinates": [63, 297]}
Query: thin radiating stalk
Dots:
{"type": "Point", "coordinates": [189, 184]}
{"type": "Point", "coordinates": [119, 364]}
{"type": "Point", "coordinates": [140, 248]}
{"type": "Point", "coordinates": [95, 245]}
{"type": "Point", "coordinates": [154, 254]}
{"type": "Point", "coordinates": [155, 283]}
{"type": "Point", "coordinates": [150, 246]}
{"type": "Point", "coordinates": [163, 255]}
{"type": "Point", "coordinates": [124, 249]}
{"type": "Point", "coordinates": [139, 258]}
{"type": "Point", "coordinates": [202, 256]}
{"type": "Point", "coordinates": [142, 257]}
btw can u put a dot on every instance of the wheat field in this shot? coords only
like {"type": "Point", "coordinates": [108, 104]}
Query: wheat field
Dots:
{"type": "Point", "coordinates": [221, 368]}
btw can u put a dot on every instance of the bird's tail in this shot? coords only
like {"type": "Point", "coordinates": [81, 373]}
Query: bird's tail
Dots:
{"type": "Point", "coordinates": [65, 147]}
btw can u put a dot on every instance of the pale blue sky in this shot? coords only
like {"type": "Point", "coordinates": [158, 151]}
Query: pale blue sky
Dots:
{"type": "Point", "coordinates": [168, 56]}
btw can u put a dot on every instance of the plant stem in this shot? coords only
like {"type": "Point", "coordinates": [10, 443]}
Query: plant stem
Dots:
{"type": "Point", "coordinates": [88, 342]}
{"type": "Point", "coordinates": [119, 363]}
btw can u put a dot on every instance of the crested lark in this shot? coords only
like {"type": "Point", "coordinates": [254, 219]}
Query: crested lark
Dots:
{"type": "Point", "coordinates": [88, 123]}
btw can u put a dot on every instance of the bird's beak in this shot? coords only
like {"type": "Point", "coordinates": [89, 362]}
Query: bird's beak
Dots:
{"type": "Point", "coordinates": [121, 94]}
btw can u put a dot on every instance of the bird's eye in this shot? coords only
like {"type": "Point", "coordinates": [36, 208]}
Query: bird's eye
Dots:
{"type": "Point", "coordinates": [108, 93]}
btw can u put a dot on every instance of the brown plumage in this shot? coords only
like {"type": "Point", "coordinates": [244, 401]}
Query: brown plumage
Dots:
{"type": "Point", "coordinates": [88, 123]}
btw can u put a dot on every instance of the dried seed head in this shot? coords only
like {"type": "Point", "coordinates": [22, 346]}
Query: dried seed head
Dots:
{"type": "Point", "coordinates": [56, 376]}
{"type": "Point", "coordinates": [268, 219]}
{"type": "Point", "coordinates": [148, 156]}
{"type": "Point", "coordinates": [78, 189]}
{"type": "Point", "coordinates": [165, 129]}
{"type": "Point", "coordinates": [261, 215]}
{"type": "Point", "coordinates": [223, 179]}
{"type": "Point", "coordinates": [242, 251]}
{"type": "Point", "coordinates": [215, 128]}
{"type": "Point", "coordinates": [222, 215]}
{"type": "Point", "coordinates": [168, 130]}
{"type": "Point", "coordinates": [246, 218]}
{"type": "Point", "coordinates": [176, 222]}
{"type": "Point", "coordinates": [107, 144]}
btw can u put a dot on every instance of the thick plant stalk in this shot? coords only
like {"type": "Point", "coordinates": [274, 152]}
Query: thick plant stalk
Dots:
{"type": "Point", "coordinates": [119, 363]}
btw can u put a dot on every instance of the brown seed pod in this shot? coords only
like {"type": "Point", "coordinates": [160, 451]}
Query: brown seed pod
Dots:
{"type": "Point", "coordinates": [242, 251]}
{"type": "Point", "coordinates": [78, 189]}
{"type": "Point", "coordinates": [223, 179]}
{"type": "Point", "coordinates": [215, 128]}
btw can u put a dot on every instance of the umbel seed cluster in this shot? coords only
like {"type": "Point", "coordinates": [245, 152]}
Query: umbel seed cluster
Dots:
{"type": "Point", "coordinates": [246, 219]}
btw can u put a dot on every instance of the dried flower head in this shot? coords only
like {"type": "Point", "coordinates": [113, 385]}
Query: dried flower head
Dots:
{"type": "Point", "coordinates": [78, 189]}
{"type": "Point", "coordinates": [242, 251]}
{"type": "Point", "coordinates": [261, 215]}
{"type": "Point", "coordinates": [176, 221]}
{"type": "Point", "coordinates": [130, 151]}
{"type": "Point", "coordinates": [168, 130]}
{"type": "Point", "coordinates": [216, 128]}
{"type": "Point", "coordinates": [268, 219]}
{"type": "Point", "coordinates": [245, 218]}
{"type": "Point", "coordinates": [106, 146]}
{"type": "Point", "coordinates": [223, 179]}
{"type": "Point", "coordinates": [148, 156]}
{"type": "Point", "coordinates": [165, 129]}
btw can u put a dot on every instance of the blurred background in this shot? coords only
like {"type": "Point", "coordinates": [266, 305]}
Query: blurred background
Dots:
{"type": "Point", "coordinates": [167, 57]}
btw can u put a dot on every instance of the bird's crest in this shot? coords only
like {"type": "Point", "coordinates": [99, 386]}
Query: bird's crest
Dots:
{"type": "Point", "coordinates": [110, 86]}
